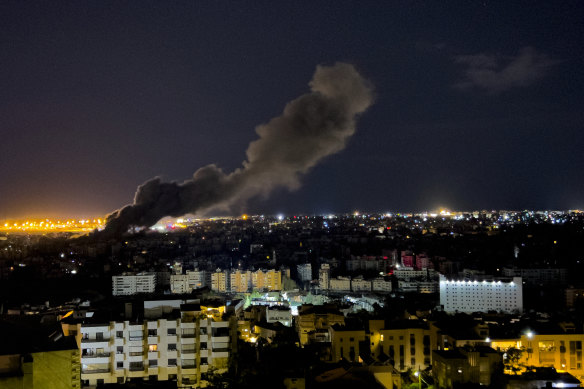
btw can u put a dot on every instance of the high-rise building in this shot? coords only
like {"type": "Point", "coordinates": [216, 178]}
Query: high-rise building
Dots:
{"type": "Point", "coordinates": [481, 296]}
{"type": "Point", "coordinates": [170, 348]}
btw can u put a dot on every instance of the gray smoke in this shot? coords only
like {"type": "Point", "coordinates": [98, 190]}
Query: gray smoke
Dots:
{"type": "Point", "coordinates": [311, 127]}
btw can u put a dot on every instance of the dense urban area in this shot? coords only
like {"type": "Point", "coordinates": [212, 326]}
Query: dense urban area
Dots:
{"type": "Point", "coordinates": [442, 300]}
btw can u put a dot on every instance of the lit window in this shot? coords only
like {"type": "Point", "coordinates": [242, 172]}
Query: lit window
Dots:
{"type": "Point", "coordinates": [152, 347]}
{"type": "Point", "coordinates": [382, 338]}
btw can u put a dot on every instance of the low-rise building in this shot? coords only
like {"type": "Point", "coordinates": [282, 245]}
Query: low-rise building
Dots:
{"type": "Point", "coordinates": [380, 284]}
{"type": "Point", "coordinates": [313, 322]}
{"type": "Point", "coordinates": [360, 285]}
{"type": "Point", "coordinates": [340, 284]}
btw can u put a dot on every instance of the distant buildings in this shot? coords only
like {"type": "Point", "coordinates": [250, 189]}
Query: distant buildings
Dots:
{"type": "Point", "coordinates": [481, 296]}
{"type": "Point", "coordinates": [186, 283]}
{"type": "Point", "coordinates": [304, 272]}
{"type": "Point", "coordinates": [538, 276]}
{"type": "Point", "coordinates": [129, 284]}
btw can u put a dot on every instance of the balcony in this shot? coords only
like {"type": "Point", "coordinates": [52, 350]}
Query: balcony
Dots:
{"type": "Point", "coordinates": [220, 354]}
{"type": "Point", "coordinates": [187, 336]}
{"type": "Point", "coordinates": [86, 340]}
{"type": "Point", "coordinates": [220, 339]}
{"type": "Point", "coordinates": [136, 368]}
{"type": "Point", "coordinates": [96, 371]}
{"type": "Point", "coordinates": [170, 339]}
{"type": "Point", "coordinates": [96, 355]}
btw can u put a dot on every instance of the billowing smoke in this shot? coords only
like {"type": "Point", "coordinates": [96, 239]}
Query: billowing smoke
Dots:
{"type": "Point", "coordinates": [311, 127]}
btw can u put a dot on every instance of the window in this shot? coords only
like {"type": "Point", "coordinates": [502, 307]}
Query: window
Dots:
{"type": "Point", "coordinates": [152, 332]}
{"type": "Point", "coordinates": [152, 348]}
{"type": "Point", "coordinates": [171, 362]}
{"type": "Point", "coordinates": [152, 363]}
{"type": "Point", "coordinates": [171, 331]}
{"type": "Point", "coordinates": [120, 380]}
{"type": "Point", "coordinates": [119, 365]}
{"type": "Point", "coordinates": [120, 350]}
{"type": "Point", "coordinates": [119, 334]}
{"type": "Point", "coordinates": [381, 338]}
{"type": "Point", "coordinates": [171, 347]}
{"type": "Point", "coordinates": [136, 366]}
{"type": "Point", "coordinates": [99, 336]}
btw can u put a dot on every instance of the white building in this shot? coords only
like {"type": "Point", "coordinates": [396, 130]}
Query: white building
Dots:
{"type": "Point", "coordinates": [129, 284]}
{"type": "Point", "coordinates": [178, 348]}
{"type": "Point", "coordinates": [360, 285]}
{"type": "Point", "coordinates": [340, 284]}
{"type": "Point", "coordinates": [379, 284]}
{"type": "Point", "coordinates": [185, 283]}
{"type": "Point", "coordinates": [279, 314]}
{"type": "Point", "coordinates": [409, 273]}
{"type": "Point", "coordinates": [304, 272]}
{"type": "Point", "coordinates": [481, 296]}
{"type": "Point", "coordinates": [324, 275]}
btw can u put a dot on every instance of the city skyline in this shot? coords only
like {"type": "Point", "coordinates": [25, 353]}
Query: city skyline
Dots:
{"type": "Point", "coordinates": [481, 114]}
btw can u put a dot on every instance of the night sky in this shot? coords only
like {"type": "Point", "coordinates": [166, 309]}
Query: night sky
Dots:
{"type": "Point", "coordinates": [479, 104]}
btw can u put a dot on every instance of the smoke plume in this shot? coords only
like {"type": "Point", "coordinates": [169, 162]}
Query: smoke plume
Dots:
{"type": "Point", "coordinates": [312, 127]}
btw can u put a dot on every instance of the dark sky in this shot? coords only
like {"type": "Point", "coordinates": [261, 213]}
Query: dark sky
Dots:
{"type": "Point", "coordinates": [479, 104]}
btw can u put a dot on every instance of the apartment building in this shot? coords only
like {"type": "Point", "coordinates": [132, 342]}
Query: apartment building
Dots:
{"type": "Point", "coordinates": [406, 343]}
{"type": "Point", "coordinates": [186, 283]}
{"type": "Point", "coordinates": [129, 284]}
{"type": "Point", "coordinates": [380, 284]}
{"type": "Point", "coordinates": [313, 322]}
{"type": "Point", "coordinates": [267, 280]}
{"type": "Point", "coordinates": [340, 284]}
{"type": "Point", "coordinates": [345, 343]}
{"type": "Point", "coordinates": [240, 281]}
{"type": "Point", "coordinates": [360, 285]}
{"type": "Point", "coordinates": [220, 281]}
{"type": "Point", "coordinates": [180, 346]}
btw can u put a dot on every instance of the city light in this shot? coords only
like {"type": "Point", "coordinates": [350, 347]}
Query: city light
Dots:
{"type": "Point", "coordinates": [45, 225]}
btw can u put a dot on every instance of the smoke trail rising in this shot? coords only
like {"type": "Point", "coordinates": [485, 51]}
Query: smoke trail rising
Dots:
{"type": "Point", "coordinates": [312, 127]}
